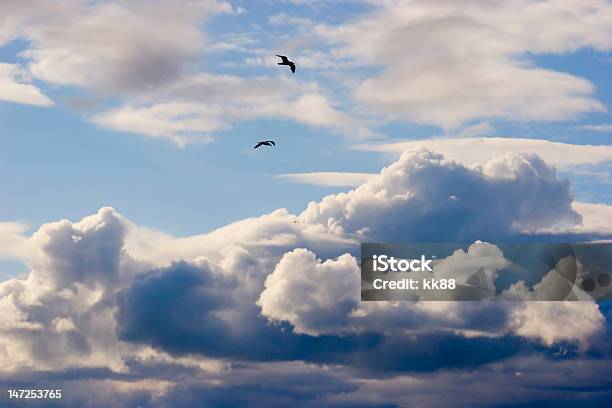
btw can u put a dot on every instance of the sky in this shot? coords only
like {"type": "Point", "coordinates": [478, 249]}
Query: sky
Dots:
{"type": "Point", "coordinates": [141, 233]}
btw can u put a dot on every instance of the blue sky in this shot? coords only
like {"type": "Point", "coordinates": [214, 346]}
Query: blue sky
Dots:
{"type": "Point", "coordinates": [219, 265]}
{"type": "Point", "coordinates": [200, 187]}
{"type": "Point", "coordinates": [95, 167]}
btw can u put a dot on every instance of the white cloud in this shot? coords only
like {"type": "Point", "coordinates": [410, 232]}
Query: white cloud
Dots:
{"type": "Point", "coordinates": [274, 233]}
{"type": "Point", "coordinates": [475, 130]}
{"type": "Point", "coordinates": [314, 296]}
{"type": "Point", "coordinates": [283, 18]}
{"type": "Point", "coordinates": [422, 189]}
{"type": "Point", "coordinates": [322, 298]}
{"type": "Point", "coordinates": [557, 321]}
{"type": "Point", "coordinates": [112, 46]}
{"type": "Point", "coordinates": [15, 13]}
{"type": "Point", "coordinates": [328, 178]}
{"type": "Point", "coordinates": [177, 122]}
{"type": "Point", "coordinates": [63, 299]}
{"type": "Point", "coordinates": [13, 244]}
{"type": "Point", "coordinates": [597, 128]}
{"type": "Point", "coordinates": [445, 63]}
{"type": "Point", "coordinates": [117, 49]}
{"type": "Point", "coordinates": [15, 86]}
{"type": "Point", "coordinates": [85, 300]}
{"type": "Point", "coordinates": [595, 217]}
{"type": "Point", "coordinates": [441, 62]}
{"type": "Point", "coordinates": [194, 106]}
{"type": "Point", "coordinates": [472, 151]}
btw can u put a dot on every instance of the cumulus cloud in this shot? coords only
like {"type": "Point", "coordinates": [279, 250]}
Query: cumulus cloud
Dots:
{"type": "Point", "coordinates": [16, 86]}
{"type": "Point", "coordinates": [88, 303]}
{"type": "Point", "coordinates": [323, 297]}
{"type": "Point", "coordinates": [422, 189]}
{"type": "Point", "coordinates": [581, 163]}
{"type": "Point", "coordinates": [123, 301]}
{"type": "Point", "coordinates": [63, 302]}
{"type": "Point", "coordinates": [248, 313]}
{"type": "Point", "coordinates": [446, 63]}
{"type": "Point", "coordinates": [319, 298]}
{"type": "Point", "coordinates": [552, 322]}
{"type": "Point", "coordinates": [293, 291]}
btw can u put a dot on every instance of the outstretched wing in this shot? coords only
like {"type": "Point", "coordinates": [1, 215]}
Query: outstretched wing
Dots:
{"type": "Point", "coordinates": [292, 66]}
{"type": "Point", "coordinates": [284, 58]}
{"type": "Point", "coordinates": [272, 142]}
{"type": "Point", "coordinates": [258, 144]}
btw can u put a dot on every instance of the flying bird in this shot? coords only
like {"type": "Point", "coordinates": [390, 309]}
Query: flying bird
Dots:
{"type": "Point", "coordinates": [285, 61]}
{"type": "Point", "coordinates": [265, 143]}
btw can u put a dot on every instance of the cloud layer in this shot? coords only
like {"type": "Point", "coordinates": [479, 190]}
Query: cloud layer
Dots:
{"type": "Point", "coordinates": [479, 150]}
{"type": "Point", "coordinates": [446, 63]}
{"type": "Point", "coordinates": [116, 51]}
{"type": "Point", "coordinates": [437, 63]}
{"type": "Point", "coordinates": [266, 311]}
{"type": "Point", "coordinates": [110, 300]}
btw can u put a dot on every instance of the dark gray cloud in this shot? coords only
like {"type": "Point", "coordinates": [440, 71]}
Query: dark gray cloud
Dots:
{"type": "Point", "coordinates": [179, 301]}
{"type": "Point", "coordinates": [529, 380]}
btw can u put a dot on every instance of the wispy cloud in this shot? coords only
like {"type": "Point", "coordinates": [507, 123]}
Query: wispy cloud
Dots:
{"type": "Point", "coordinates": [16, 86]}
{"type": "Point", "coordinates": [153, 80]}
{"type": "Point", "coordinates": [597, 128]}
{"type": "Point", "coordinates": [195, 106]}
{"type": "Point", "coordinates": [479, 150]}
{"type": "Point", "coordinates": [328, 178]}
{"type": "Point", "coordinates": [595, 217]}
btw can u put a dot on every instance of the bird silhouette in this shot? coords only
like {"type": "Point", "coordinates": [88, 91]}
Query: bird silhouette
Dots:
{"type": "Point", "coordinates": [265, 143]}
{"type": "Point", "coordinates": [285, 61]}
